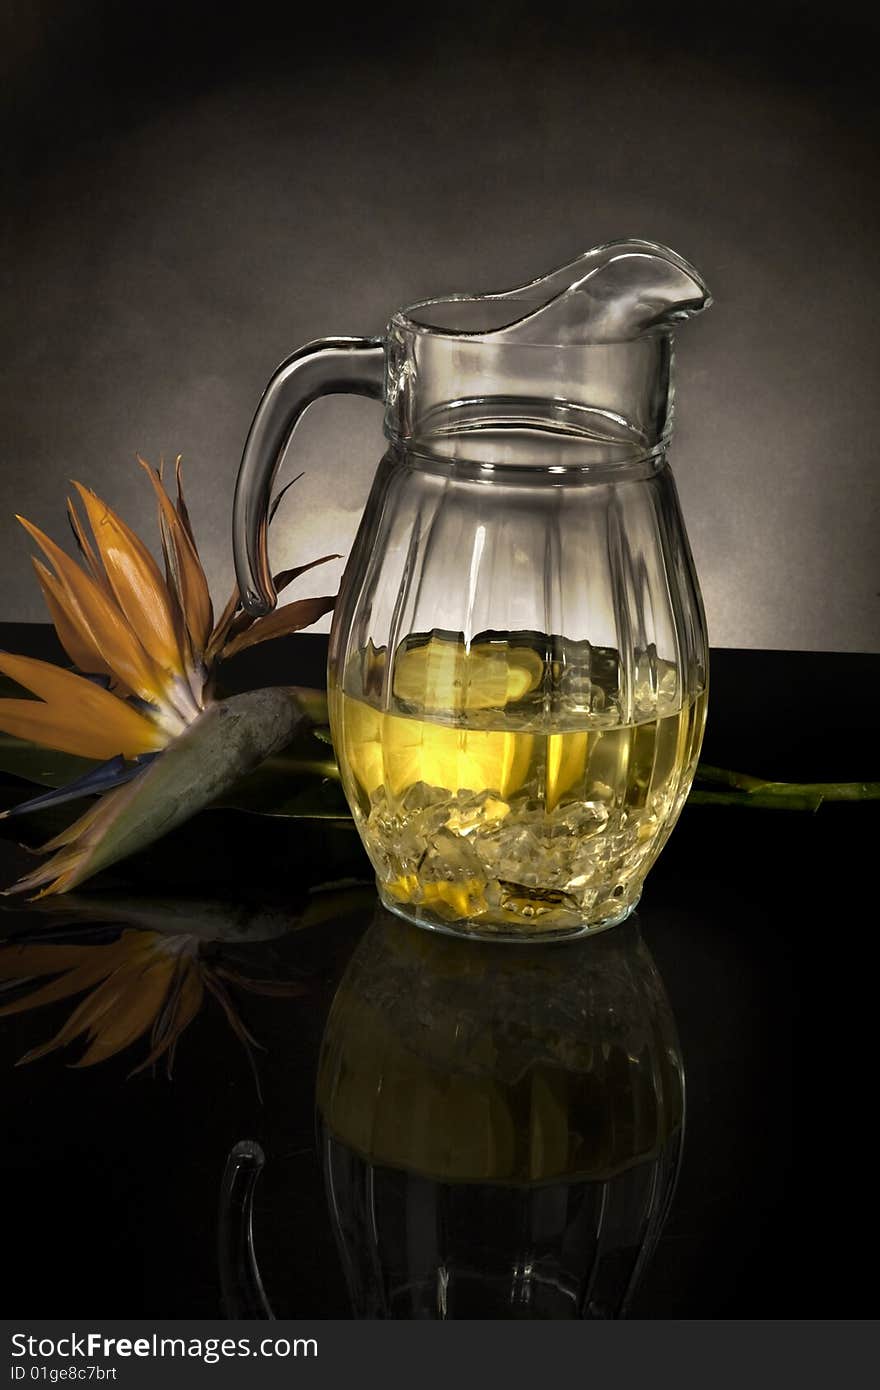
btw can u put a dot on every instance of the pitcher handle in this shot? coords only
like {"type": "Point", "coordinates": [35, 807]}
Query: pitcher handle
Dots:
{"type": "Point", "coordinates": [321, 368]}
{"type": "Point", "coordinates": [240, 1283]}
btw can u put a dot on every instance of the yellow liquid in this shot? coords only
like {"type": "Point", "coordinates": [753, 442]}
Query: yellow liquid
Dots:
{"type": "Point", "coordinates": [498, 789]}
{"type": "Point", "coordinates": [486, 1101]}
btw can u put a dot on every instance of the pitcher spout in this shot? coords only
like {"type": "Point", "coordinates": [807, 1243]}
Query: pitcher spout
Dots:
{"type": "Point", "coordinates": [611, 294]}
{"type": "Point", "coordinates": [573, 369]}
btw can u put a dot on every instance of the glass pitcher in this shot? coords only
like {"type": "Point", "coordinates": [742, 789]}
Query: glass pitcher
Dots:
{"type": "Point", "coordinates": [501, 1131]}
{"type": "Point", "coordinates": [518, 657]}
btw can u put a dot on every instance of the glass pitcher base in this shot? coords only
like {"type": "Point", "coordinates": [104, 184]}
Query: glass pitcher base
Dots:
{"type": "Point", "coordinates": [477, 930]}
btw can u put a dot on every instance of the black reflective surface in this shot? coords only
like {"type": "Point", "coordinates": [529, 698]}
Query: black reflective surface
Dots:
{"type": "Point", "coordinates": [756, 929]}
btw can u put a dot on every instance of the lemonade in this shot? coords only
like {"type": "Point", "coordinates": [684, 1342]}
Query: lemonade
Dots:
{"type": "Point", "coordinates": [503, 787]}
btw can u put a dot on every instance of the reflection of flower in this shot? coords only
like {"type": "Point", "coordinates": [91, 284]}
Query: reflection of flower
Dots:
{"type": "Point", "coordinates": [141, 980]}
{"type": "Point", "coordinates": [146, 648]}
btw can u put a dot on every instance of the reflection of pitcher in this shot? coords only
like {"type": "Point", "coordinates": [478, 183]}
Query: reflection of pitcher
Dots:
{"type": "Point", "coordinates": [518, 660]}
{"type": "Point", "coordinates": [501, 1132]}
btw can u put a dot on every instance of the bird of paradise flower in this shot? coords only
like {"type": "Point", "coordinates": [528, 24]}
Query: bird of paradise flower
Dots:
{"type": "Point", "coordinates": [148, 965]}
{"type": "Point", "coordinates": [140, 700]}
{"type": "Point", "coordinates": [143, 981]}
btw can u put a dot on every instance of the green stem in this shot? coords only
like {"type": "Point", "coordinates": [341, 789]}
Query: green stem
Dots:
{"type": "Point", "coordinates": [781, 796]}
{"type": "Point", "coordinates": [733, 788]}
{"type": "Point", "coordinates": [724, 777]}
{"type": "Point", "coordinates": [792, 802]}
{"type": "Point", "coordinates": [317, 767]}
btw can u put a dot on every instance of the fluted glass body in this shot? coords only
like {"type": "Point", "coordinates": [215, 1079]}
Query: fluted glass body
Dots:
{"type": "Point", "coordinates": [518, 676]}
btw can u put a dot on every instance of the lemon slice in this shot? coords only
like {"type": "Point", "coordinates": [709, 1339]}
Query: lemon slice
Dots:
{"type": "Point", "coordinates": [450, 899]}
{"type": "Point", "coordinates": [442, 674]}
{"type": "Point", "coordinates": [460, 759]}
{"type": "Point", "coordinates": [566, 764]}
{"type": "Point", "coordinates": [396, 752]}
{"type": "Point", "coordinates": [455, 900]}
{"type": "Point", "coordinates": [359, 734]}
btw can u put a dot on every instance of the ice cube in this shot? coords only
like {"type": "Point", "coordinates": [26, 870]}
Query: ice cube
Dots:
{"type": "Point", "coordinates": [577, 691]}
{"type": "Point", "coordinates": [421, 796]}
{"type": "Point", "coordinates": [423, 810]}
{"type": "Point", "coordinates": [579, 819]}
{"type": "Point", "coordinates": [517, 852]}
{"type": "Point", "coordinates": [452, 879]}
{"type": "Point", "coordinates": [667, 688]}
{"type": "Point", "coordinates": [451, 857]}
{"type": "Point", "coordinates": [473, 810]}
{"type": "Point", "coordinates": [655, 686]}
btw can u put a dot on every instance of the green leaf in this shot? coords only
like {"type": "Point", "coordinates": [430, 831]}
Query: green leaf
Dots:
{"type": "Point", "coordinates": [45, 766]}
{"type": "Point", "coordinates": [288, 785]}
{"type": "Point", "coordinates": [313, 703]}
{"type": "Point", "coordinates": [330, 902]}
{"type": "Point", "coordinates": [33, 763]}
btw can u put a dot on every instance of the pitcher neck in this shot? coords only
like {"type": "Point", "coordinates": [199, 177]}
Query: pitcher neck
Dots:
{"type": "Point", "coordinates": [571, 369]}
{"type": "Point", "coordinates": [512, 404]}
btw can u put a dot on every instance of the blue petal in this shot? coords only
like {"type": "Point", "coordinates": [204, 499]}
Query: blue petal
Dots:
{"type": "Point", "coordinates": [113, 773]}
{"type": "Point", "coordinates": [143, 706]}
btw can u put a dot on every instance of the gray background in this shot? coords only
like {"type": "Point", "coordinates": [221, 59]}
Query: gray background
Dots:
{"type": "Point", "coordinates": [193, 191]}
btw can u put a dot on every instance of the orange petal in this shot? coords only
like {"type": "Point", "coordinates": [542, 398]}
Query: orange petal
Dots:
{"type": "Point", "coordinates": [98, 1009]}
{"type": "Point", "coordinates": [182, 509]}
{"type": "Point", "coordinates": [186, 576]}
{"type": "Point", "coordinates": [186, 1006]}
{"type": "Point", "coordinates": [79, 717]}
{"type": "Point", "coordinates": [55, 876]}
{"type": "Point", "coordinates": [68, 866]}
{"type": "Point", "coordinates": [92, 964]}
{"type": "Point", "coordinates": [77, 643]}
{"type": "Point", "coordinates": [73, 842]}
{"type": "Point", "coordinates": [76, 828]}
{"type": "Point", "coordinates": [137, 584]}
{"type": "Point", "coordinates": [238, 622]}
{"type": "Point", "coordinates": [222, 626]}
{"type": "Point", "coordinates": [85, 547]}
{"type": "Point", "coordinates": [85, 1016]}
{"type": "Point", "coordinates": [132, 1011]}
{"type": "Point", "coordinates": [290, 618]}
{"type": "Point", "coordinates": [28, 961]}
{"type": "Point", "coordinates": [38, 723]}
{"type": "Point", "coordinates": [100, 622]}
{"type": "Point", "coordinates": [238, 1027]}
{"type": "Point", "coordinates": [75, 846]}
{"type": "Point", "coordinates": [272, 989]}
{"type": "Point", "coordinates": [286, 577]}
